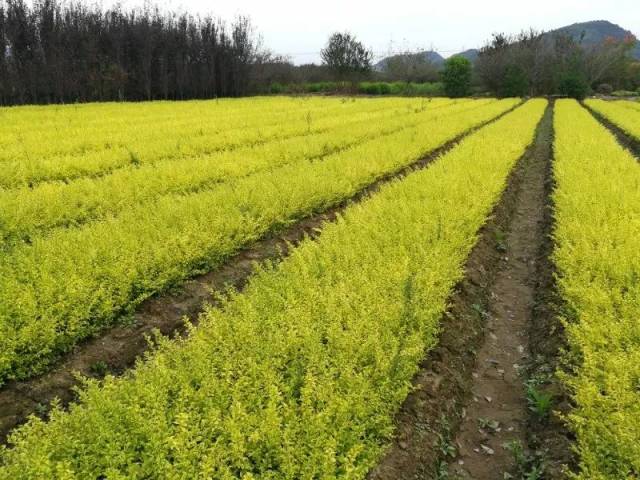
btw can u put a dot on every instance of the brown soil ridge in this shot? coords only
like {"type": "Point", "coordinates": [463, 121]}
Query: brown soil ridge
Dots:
{"type": "Point", "coordinates": [470, 377]}
{"type": "Point", "coordinates": [624, 139]}
{"type": "Point", "coordinates": [117, 349]}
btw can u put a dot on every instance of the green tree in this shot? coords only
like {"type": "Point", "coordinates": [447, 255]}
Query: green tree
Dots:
{"type": "Point", "coordinates": [573, 81]}
{"type": "Point", "coordinates": [457, 76]}
{"type": "Point", "coordinates": [346, 56]}
{"type": "Point", "coordinates": [515, 82]}
{"type": "Point", "coordinates": [574, 85]}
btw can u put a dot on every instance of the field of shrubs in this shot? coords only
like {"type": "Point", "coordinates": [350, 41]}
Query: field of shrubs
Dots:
{"type": "Point", "coordinates": [301, 372]}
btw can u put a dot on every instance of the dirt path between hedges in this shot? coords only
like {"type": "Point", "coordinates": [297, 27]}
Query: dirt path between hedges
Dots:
{"type": "Point", "coordinates": [117, 349]}
{"type": "Point", "coordinates": [494, 427]}
{"type": "Point", "coordinates": [469, 398]}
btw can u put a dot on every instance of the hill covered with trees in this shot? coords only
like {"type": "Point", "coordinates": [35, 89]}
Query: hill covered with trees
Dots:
{"type": "Point", "coordinates": [597, 31]}
{"type": "Point", "coordinates": [571, 60]}
{"type": "Point", "coordinates": [588, 33]}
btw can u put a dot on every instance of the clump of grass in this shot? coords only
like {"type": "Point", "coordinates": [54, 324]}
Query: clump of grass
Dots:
{"type": "Point", "coordinates": [540, 402]}
{"type": "Point", "coordinates": [134, 159]}
{"type": "Point", "coordinates": [501, 240]}
{"type": "Point", "coordinates": [99, 368]}
{"type": "Point", "coordinates": [527, 466]}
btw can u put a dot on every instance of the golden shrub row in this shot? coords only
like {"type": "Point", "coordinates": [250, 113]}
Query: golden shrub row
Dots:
{"type": "Point", "coordinates": [625, 114]}
{"type": "Point", "coordinates": [597, 234]}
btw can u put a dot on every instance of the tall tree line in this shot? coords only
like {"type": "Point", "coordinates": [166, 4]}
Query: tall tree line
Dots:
{"type": "Point", "coordinates": [54, 52]}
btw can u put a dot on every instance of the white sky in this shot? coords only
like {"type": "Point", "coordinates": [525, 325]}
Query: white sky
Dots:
{"type": "Point", "coordinates": [300, 28]}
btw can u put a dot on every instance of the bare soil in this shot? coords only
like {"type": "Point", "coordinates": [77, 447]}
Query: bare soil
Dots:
{"type": "Point", "coordinates": [469, 398]}
{"type": "Point", "coordinates": [497, 414]}
{"type": "Point", "coordinates": [117, 349]}
{"type": "Point", "coordinates": [549, 438]}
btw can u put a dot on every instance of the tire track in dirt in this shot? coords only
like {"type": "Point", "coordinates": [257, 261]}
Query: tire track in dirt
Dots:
{"type": "Point", "coordinates": [470, 383]}
{"type": "Point", "coordinates": [117, 349]}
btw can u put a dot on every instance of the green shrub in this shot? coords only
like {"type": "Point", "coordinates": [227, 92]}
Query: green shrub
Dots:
{"type": "Point", "coordinates": [321, 87]}
{"type": "Point", "coordinates": [434, 88]}
{"type": "Point", "coordinates": [457, 76]}
{"type": "Point", "coordinates": [605, 89]}
{"type": "Point", "coordinates": [574, 85]}
{"type": "Point", "coordinates": [277, 88]}
{"type": "Point", "coordinates": [369, 88]}
{"type": "Point", "coordinates": [399, 88]}
{"type": "Point", "coordinates": [624, 93]}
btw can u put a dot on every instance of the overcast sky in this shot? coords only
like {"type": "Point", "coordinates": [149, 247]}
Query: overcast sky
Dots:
{"type": "Point", "coordinates": [300, 28]}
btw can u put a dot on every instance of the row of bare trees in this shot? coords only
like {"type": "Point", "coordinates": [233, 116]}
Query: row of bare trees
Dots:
{"type": "Point", "coordinates": [66, 52]}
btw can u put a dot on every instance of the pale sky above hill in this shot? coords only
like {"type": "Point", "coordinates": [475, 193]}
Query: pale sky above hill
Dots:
{"type": "Point", "coordinates": [300, 28]}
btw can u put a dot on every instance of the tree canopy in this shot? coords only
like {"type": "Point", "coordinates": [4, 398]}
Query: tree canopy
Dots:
{"type": "Point", "coordinates": [346, 56]}
{"type": "Point", "coordinates": [457, 76]}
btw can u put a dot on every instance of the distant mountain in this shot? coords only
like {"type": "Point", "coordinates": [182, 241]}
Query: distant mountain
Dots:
{"type": "Point", "coordinates": [591, 33]}
{"type": "Point", "coordinates": [597, 31]}
{"type": "Point", "coordinates": [470, 54]}
{"type": "Point", "coordinates": [433, 57]}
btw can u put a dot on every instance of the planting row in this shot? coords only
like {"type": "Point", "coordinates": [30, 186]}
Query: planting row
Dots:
{"type": "Point", "coordinates": [597, 255]}
{"type": "Point", "coordinates": [624, 114]}
{"type": "Point", "coordinates": [300, 376]}
{"type": "Point", "coordinates": [26, 212]}
{"type": "Point", "coordinates": [79, 151]}
{"type": "Point", "coordinates": [87, 127]}
{"type": "Point", "coordinates": [65, 286]}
